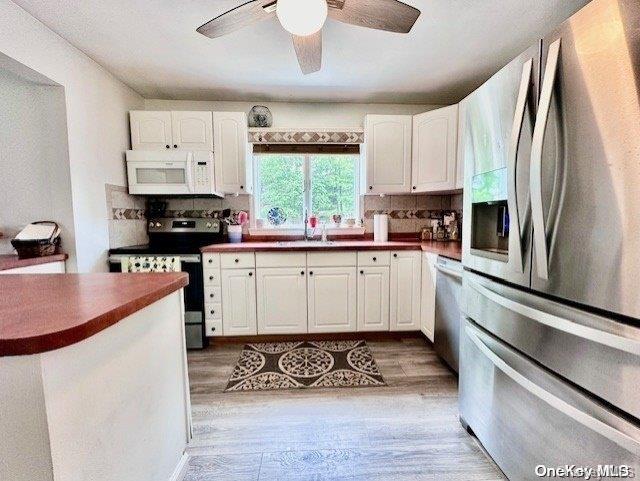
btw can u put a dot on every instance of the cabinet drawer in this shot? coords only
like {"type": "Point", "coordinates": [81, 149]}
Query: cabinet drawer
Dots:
{"type": "Point", "coordinates": [213, 327]}
{"type": "Point", "coordinates": [212, 294]}
{"type": "Point", "coordinates": [245, 260]}
{"type": "Point", "coordinates": [211, 261]}
{"type": "Point", "coordinates": [281, 259]}
{"type": "Point", "coordinates": [212, 277]}
{"type": "Point", "coordinates": [374, 258]}
{"type": "Point", "coordinates": [332, 259]}
{"type": "Point", "coordinates": [213, 310]}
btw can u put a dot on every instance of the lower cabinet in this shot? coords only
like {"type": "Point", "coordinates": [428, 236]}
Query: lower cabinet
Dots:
{"type": "Point", "coordinates": [239, 302]}
{"type": "Point", "coordinates": [332, 297]}
{"type": "Point", "coordinates": [282, 300]}
{"type": "Point", "coordinates": [428, 297]}
{"type": "Point", "coordinates": [404, 299]}
{"type": "Point", "coordinates": [373, 299]}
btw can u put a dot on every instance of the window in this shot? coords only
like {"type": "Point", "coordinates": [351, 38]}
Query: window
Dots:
{"type": "Point", "coordinates": [321, 184]}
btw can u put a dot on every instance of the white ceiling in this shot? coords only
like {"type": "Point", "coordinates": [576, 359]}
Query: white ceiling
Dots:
{"type": "Point", "coordinates": [153, 47]}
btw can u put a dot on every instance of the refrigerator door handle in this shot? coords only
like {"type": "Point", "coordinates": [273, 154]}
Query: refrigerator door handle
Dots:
{"type": "Point", "coordinates": [539, 130]}
{"type": "Point", "coordinates": [620, 438]}
{"type": "Point", "coordinates": [614, 341]}
{"type": "Point", "coordinates": [515, 247]}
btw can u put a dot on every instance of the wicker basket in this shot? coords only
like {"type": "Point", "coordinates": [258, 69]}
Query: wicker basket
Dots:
{"type": "Point", "coordinates": [39, 247]}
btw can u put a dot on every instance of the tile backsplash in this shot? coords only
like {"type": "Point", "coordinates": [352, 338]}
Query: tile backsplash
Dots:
{"type": "Point", "coordinates": [127, 219]}
{"type": "Point", "coordinates": [410, 213]}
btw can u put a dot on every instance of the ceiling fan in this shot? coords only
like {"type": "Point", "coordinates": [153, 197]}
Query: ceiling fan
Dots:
{"type": "Point", "coordinates": [304, 20]}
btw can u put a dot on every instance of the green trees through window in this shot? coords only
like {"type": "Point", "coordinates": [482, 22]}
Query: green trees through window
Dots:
{"type": "Point", "coordinates": [332, 180]}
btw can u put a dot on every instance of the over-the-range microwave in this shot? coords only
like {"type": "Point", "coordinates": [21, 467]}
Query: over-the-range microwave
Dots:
{"type": "Point", "coordinates": [171, 173]}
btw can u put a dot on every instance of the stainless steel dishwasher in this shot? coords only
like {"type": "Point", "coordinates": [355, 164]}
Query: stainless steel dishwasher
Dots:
{"type": "Point", "coordinates": [447, 321]}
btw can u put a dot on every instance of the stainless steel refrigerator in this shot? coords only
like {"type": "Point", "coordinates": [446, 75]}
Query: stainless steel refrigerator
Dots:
{"type": "Point", "coordinates": [550, 344]}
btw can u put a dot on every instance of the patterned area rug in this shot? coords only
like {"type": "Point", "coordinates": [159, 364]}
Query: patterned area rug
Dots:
{"type": "Point", "coordinates": [290, 365]}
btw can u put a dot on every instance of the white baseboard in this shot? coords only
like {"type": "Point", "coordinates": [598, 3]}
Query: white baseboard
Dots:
{"type": "Point", "coordinates": [181, 468]}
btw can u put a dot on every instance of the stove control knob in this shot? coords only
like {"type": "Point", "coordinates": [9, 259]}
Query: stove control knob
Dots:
{"type": "Point", "coordinates": [209, 225]}
{"type": "Point", "coordinates": [158, 224]}
{"type": "Point", "coordinates": [151, 224]}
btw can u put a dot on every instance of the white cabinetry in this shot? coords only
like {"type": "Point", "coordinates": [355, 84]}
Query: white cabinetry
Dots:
{"type": "Point", "coordinates": [238, 302]}
{"type": "Point", "coordinates": [387, 154]}
{"type": "Point", "coordinates": [373, 298]}
{"type": "Point", "coordinates": [46, 268]}
{"type": "Point", "coordinates": [434, 150]}
{"type": "Point", "coordinates": [232, 152]}
{"type": "Point", "coordinates": [332, 299]}
{"type": "Point", "coordinates": [462, 106]}
{"type": "Point", "coordinates": [428, 297]}
{"type": "Point", "coordinates": [282, 300]}
{"type": "Point", "coordinates": [164, 130]}
{"type": "Point", "coordinates": [404, 301]}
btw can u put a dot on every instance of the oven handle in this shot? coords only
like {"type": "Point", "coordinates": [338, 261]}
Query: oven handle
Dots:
{"type": "Point", "coordinates": [188, 259]}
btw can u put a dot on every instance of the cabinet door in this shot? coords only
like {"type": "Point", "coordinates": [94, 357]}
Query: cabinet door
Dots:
{"type": "Point", "coordinates": [192, 130]}
{"type": "Point", "coordinates": [434, 150]}
{"type": "Point", "coordinates": [373, 299]}
{"type": "Point", "coordinates": [238, 302]}
{"type": "Point", "coordinates": [388, 153]}
{"type": "Point", "coordinates": [404, 300]}
{"type": "Point", "coordinates": [282, 300]}
{"type": "Point", "coordinates": [230, 143]}
{"type": "Point", "coordinates": [150, 130]}
{"type": "Point", "coordinates": [428, 299]}
{"type": "Point", "coordinates": [459, 149]}
{"type": "Point", "coordinates": [332, 299]}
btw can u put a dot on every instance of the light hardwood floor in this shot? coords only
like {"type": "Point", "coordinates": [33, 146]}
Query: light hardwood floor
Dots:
{"type": "Point", "coordinates": [408, 430]}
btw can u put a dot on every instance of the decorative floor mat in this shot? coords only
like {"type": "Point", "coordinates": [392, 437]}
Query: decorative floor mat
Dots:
{"type": "Point", "coordinates": [296, 365]}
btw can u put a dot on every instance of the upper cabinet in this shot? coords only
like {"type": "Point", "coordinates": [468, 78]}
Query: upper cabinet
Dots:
{"type": "Point", "coordinates": [150, 130]}
{"type": "Point", "coordinates": [232, 153]}
{"type": "Point", "coordinates": [387, 154]}
{"type": "Point", "coordinates": [435, 136]}
{"type": "Point", "coordinates": [171, 130]}
{"type": "Point", "coordinates": [192, 130]}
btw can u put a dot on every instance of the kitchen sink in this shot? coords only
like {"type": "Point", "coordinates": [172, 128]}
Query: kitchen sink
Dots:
{"type": "Point", "coordinates": [308, 243]}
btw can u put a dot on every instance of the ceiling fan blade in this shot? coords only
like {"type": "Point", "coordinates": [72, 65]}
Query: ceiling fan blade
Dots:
{"type": "Point", "coordinates": [389, 15]}
{"type": "Point", "coordinates": [239, 17]}
{"type": "Point", "coordinates": [309, 52]}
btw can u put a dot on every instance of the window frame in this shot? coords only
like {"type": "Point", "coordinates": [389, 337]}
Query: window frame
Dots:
{"type": "Point", "coordinates": [307, 198]}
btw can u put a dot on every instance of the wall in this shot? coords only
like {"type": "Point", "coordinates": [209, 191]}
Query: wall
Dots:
{"type": "Point", "coordinates": [98, 133]}
{"type": "Point", "coordinates": [36, 183]}
{"type": "Point", "coordinates": [127, 217]}
{"type": "Point", "coordinates": [297, 115]}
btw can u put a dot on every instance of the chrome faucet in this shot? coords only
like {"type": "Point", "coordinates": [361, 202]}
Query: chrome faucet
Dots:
{"type": "Point", "coordinates": [306, 226]}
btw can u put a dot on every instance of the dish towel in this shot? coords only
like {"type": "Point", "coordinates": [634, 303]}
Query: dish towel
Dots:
{"type": "Point", "coordinates": [151, 264]}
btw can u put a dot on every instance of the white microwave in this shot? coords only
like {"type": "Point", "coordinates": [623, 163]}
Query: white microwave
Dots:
{"type": "Point", "coordinates": [170, 173]}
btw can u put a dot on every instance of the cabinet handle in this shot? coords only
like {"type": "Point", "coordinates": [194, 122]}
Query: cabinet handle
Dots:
{"type": "Point", "coordinates": [395, 255]}
{"type": "Point", "coordinates": [414, 187]}
{"type": "Point", "coordinates": [250, 274]}
{"type": "Point", "coordinates": [361, 272]}
{"type": "Point", "coordinates": [370, 187]}
{"type": "Point", "coordinates": [212, 312]}
{"type": "Point", "coordinates": [175, 146]}
{"type": "Point", "coordinates": [210, 261]}
{"type": "Point", "coordinates": [210, 278]}
{"type": "Point", "coordinates": [310, 273]}
{"type": "Point", "coordinates": [302, 273]}
{"type": "Point", "coordinates": [374, 259]}
{"type": "Point", "coordinates": [213, 328]}
{"type": "Point", "coordinates": [241, 187]}
{"type": "Point", "coordinates": [168, 146]}
{"type": "Point", "coordinates": [211, 295]}
{"type": "Point", "coordinates": [237, 260]}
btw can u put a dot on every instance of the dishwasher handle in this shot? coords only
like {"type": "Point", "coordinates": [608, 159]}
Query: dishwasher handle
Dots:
{"type": "Point", "coordinates": [449, 272]}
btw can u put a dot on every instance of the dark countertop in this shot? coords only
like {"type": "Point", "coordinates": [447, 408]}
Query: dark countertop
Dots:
{"type": "Point", "coordinates": [11, 261]}
{"type": "Point", "coordinates": [451, 249]}
{"type": "Point", "coordinates": [40, 313]}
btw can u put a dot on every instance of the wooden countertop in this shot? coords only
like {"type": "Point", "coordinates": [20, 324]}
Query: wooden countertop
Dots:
{"type": "Point", "coordinates": [11, 261]}
{"type": "Point", "coordinates": [452, 249]}
{"type": "Point", "coordinates": [43, 312]}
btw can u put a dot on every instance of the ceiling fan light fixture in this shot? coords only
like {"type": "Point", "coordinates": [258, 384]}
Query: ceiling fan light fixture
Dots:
{"type": "Point", "coordinates": [302, 17]}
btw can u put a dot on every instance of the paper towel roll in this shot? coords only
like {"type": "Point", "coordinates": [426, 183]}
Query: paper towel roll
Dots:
{"type": "Point", "coordinates": [380, 227]}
